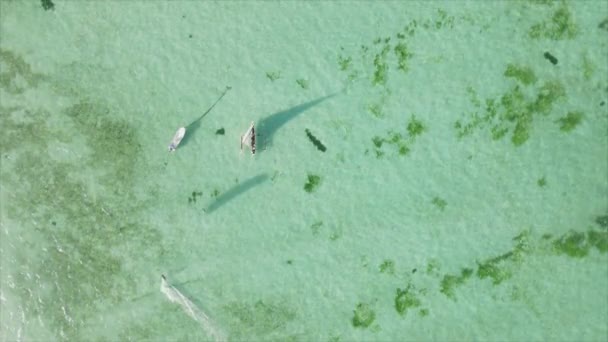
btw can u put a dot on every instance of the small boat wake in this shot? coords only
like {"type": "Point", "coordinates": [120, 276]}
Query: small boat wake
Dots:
{"type": "Point", "coordinates": [175, 296]}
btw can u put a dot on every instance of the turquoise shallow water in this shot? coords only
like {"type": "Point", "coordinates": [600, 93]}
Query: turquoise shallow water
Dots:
{"type": "Point", "coordinates": [462, 193]}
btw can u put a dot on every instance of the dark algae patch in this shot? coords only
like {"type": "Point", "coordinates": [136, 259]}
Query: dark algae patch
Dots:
{"type": "Point", "coordinates": [550, 58]}
{"type": "Point", "coordinates": [318, 144]}
{"type": "Point", "coordinates": [220, 131]}
{"type": "Point", "coordinates": [313, 181]}
{"type": "Point", "coordinates": [570, 121]}
{"type": "Point", "coordinates": [47, 5]}
{"type": "Point", "coordinates": [194, 196]}
{"type": "Point", "coordinates": [363, 316]}
{"type": "Point", "coordinates": [602, 221]}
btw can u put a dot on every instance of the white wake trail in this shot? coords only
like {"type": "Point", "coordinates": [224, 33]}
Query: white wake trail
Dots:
{"type": "Point", "coordinates": [192, 310]}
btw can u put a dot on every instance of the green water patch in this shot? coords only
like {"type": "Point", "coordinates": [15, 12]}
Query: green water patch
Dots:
{"type": "Point", "coordinates": [542, 2]}
{"type": "Point", "coordinates": [495, 268]}
{"type": "Point", "coordinates": [578, 244]}
{"type": "Point", "coordinates": [515, 111]}
{"type": "Point", "coordinates": [449, 282]}
{"type": "Point", "coordinates": [36, 131]}
{"type": "Point", "coordinates": [588, 68]}
{"type": "Point", "coordinates": [273, 75]}
{"type": "Point", "coordinates": [315, 228]}
{"type": "Point", "coordinates": [400, 142]}
{"type": "Point", "coordinates": [433, 267]}
{"type": "Point", "coordinates": [111, 141]}
{"type": "Point", "coordinates": [523, 74]}
{"type": "Point", "coordinates": [570, 121]}
{"type": "Point", "coordinates": [406, 299]}
{"type": "Point", "coordinates": [335, 234]}
{"type": "Point", "coordinates": [385, 57]}
{"type": "Point", "coordinates": [377, 58]}
{"type": "Point", "coordinates": [380, 75]}
{"type": "Point", "coordinates": [542, 182]}
{"type": "Point", "coordinates": [500, 268]}
{"type": "Point", "coordinates": [260, 318]}
{"type": "Point", "coordinates": [388, 56]}
{"type": "Point", "coordinates": [603, 24]}
{"type": "Point", "coordinates": [84, 214]}
{"type": "Point", "coordinates": [344, 63]}
{"type": "Point", "coordinates": [440, 203]}
{"type": "Point", "coordinates": [415, 127]}
{"type": "Point", "coordinates": [376, 107]}
{"type": "Point", "coordinates": [363, 315]}
{"type": "Point", "coordinates": [560, 26]}
{"type": "Point", "coordinates": [312, 183]}
{"type": "Point", "coordinates": [16, 75]}
{"type": "Point", "coordinates": [303, 83]}
{"type": "Point", "coordinates": [387, 266]}
{"type": "Point", "coordinates": [88, 243]}
{"type": "Point", "coordinates": [403, 54]}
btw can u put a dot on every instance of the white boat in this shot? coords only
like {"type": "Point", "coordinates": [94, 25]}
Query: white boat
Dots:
{"type": "Point", "coordinates": [248, 139]}
{"type": "Point", "coordinates": [177, 138]}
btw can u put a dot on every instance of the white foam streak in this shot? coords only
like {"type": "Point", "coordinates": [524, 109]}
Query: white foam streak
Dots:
{"type": "Point", "coordinates": [175, 296]}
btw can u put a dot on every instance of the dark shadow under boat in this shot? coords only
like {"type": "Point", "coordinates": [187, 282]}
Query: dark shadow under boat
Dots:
{"type": "Point", "coordinates": [269, 125]}
{"type": "Point", "coordinates": [235, 191]}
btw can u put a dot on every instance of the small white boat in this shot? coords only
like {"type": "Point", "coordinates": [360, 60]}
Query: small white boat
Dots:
{"type": "Point", "coordinates": [248, 139]}
{"type": "Point", "coordinates": [177, 138]}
